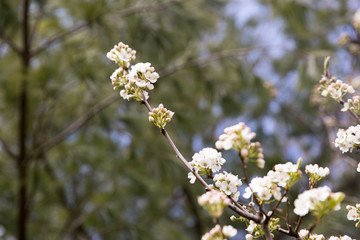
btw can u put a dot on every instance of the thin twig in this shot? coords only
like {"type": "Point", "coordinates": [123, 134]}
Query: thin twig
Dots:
{"type": "Point", "coordinates": [9, 41]}
{"type": "Point", "coordinates": [74, 126]}
{"type": "Point", "coordinates": [7, 149]}
{"type": "Point", "coordinates": [234, 207]}
{"type": "Point", "coordinates": [59, 37]}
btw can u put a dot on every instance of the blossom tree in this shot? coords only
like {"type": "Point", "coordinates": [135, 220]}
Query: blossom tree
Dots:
{"type": "Point", "coordinates": [261, 214]}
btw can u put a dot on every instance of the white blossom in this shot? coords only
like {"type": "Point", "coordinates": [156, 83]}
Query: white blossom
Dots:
{"type": "Point", "coordinates": [239, 137]}
{"type": "Point", "coordinates": [315, 200]}
{"type": "Point", "coordinates": [122, 54]}
{"type": "Point", "coordinates": [303, 233]}
{"type": "Point", "coordinates": [214, 202]}
{"type": "Point", "coordinates": [229, 231]}
{"type": "Point", "coordinates": [348, 139]}
{"type": "Point", "coordinates": [228, 183]}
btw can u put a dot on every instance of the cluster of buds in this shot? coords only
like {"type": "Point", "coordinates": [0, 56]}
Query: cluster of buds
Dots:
{"type": "Point", "coordinates": [228, 183]}
{"type": "Point", "coordinates": [352, 105]}
{"type": "Point", "coordinates": [239, 138]}
{"type": "Point", "coordinates": [160, 116]}
{"type": "Point", "coordinates": [283, 175]}
{"type": "Point", "coordinates": [348, 139]}
{"type": "Point", "coordinates": [255, 231]}
{"type": "Point", "coordinates": [318, 201]}
{"type": "Point", "coordinates": [218, 233]}
{"type": "Point", "coordinates": [316, 173]}
{"type": "Point", "coordinates": [354, 213]}
{"type": "Point", "coordinates": [334, 88]}
{"type": "Point", "coordinates": [214, 202]}
{"type": "Point", "coordinates": [206, 162]}
{"type": "Point", "coordinates": [134, 81]}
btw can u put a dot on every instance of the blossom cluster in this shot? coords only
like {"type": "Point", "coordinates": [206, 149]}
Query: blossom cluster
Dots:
{"type": "Point", "coordinates": [255, 230]}
{"type": "Point", "coordinates": [228, 183]}
{"type": "Point", "coordinates": [134, 82]}
{"type": "Point", "coordinates": [316, 173]}
{"type": "Point", "coordinates": [214, 202]}
{"type": "Point", "coordinates": [306, 235]}
{"type": "Point", "coordinates": [354, 213]}
{"type": "Point", "coordinates": [218, 233]}
{"type": "Point", "coordinates": [206, 162]}
{"type": "Point", "coordinates": [122, 54]}
{"type": "Point", "coordinates": [239, 137]}
{"type": "Point", "coordinates": [160, 116]}
{"type": "Point", "coordinates": [352, 105]}
{"type": "Point", "coordinates": [348, 139]}
{"type": "Point", "coordinates": [318, 201]}
{"type": "Point", "coordinates": [345, 237]}
{"type": "Point", "coordinates": [283, 175]}
{"type": "Point", "coordinates": [334, 88]}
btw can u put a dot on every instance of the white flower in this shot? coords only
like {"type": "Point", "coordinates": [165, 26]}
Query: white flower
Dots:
{"type": "Point", "coordinates": [122, 54]}
{"type": "Point", "coordinates": [206, 162]}
{"type": "Point", "coordinates": [214, 202]}
{"type": "Point", "coordinates": [229, 231]}
{"type": "Point", "coordinates": [316, 173]}
{"type": "Point", "coordinates": [249, 237]}
{"type": "Point", "coordinates": [348, 139]}
{"type": "Point", "coordinates": [192, 177]}
{"type": "Point", "coordinates": [303, 233]}
{"type": "Point", "coordinates": [316, 199]}
{"type": "Point", "coordinates": [358, 167]}
{"type": "Point", "coordinates": [263, 187]}
{"type": "Point", "coordinates": [228, 183]}
{"type": "Point", "coordinates": [252, 226]}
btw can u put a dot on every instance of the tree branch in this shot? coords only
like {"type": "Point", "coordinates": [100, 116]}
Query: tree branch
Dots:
{"type": "Point", "coordinates": [58, 37]}
{"type": "Point", "coordinates": [9, 41]}
{"type": "Point", "coordinates": [74, 126]}
{"type": "Point", "coordinates": [234, 207]}
{"type": "Point", "coordinates": [7, 149]}
{"type": "Point", "coordinates": [22, 160]}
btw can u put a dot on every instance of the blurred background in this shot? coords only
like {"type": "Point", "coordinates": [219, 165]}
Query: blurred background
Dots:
{"type": "Point", "coordinates": [79, 162]}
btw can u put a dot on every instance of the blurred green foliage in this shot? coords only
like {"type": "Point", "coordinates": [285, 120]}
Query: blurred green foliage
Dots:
{"type": "Point", "coordinates": [97, 169]}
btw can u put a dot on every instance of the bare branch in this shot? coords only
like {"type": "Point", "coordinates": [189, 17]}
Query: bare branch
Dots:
{"type": "Point", "coordinates": [59, 37]}
{"type": "Point", "coordinates": [74, 126]}
{"type": "Point", "coordinates": [9, 41]}
{"type": "Point", "coordinates": [203, 60]}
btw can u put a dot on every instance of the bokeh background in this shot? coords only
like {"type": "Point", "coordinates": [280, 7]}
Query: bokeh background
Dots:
{"type": "Point", "coordinates": [79, 162]}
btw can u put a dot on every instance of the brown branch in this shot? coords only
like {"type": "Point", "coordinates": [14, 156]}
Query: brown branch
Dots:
{"type": "Point", "coordinates": [74, 126]}
{"type": "Point", "coordinates": [59, 37]}
{"type": "Point", "coordinates": [203, 60]}
{"type": "Point", "coordinates": [22, 160]}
